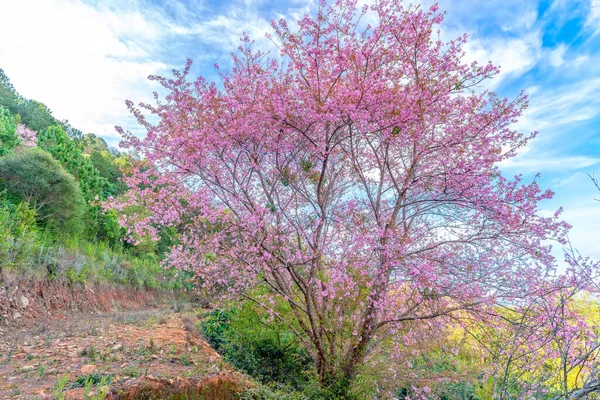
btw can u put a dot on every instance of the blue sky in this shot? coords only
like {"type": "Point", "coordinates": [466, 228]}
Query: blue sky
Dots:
{"type": "Point", "coordinates": [83, 58]}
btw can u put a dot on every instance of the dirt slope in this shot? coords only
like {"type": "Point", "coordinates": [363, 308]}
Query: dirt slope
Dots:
{"type": "Point", "coordinates": [129, 354]}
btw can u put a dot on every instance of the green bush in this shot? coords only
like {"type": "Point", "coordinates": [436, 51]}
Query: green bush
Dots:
{"type": "Point", "coordinates": [266, 350]}
{"type": "Point", "coordinates": [33, 176]}
{"type": "Point", "coordinates": [456, 390]}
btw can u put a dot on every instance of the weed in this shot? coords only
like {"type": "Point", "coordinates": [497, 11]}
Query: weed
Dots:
{"type": "Point", "coordinates": [88, 381]}
{"type": "Point", "coordinates": [185, 360]}
{"type": "Point", "coordinates": [58, 393]}
{"type": "Point", "coordinates": [93, 379]}
{"type": "Point", "coordinates": [131, 371]}
{"type": "Point", "coordinates": [41, 370]}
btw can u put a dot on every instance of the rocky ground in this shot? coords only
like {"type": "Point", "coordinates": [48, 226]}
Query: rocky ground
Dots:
{"type": "Point", "coordinates": [132, 354]}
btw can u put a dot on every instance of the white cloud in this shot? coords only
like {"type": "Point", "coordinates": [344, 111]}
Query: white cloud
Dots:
{"type": "Point", "coordinates": [577, 195]}
{"type": "Point", "coordinates": [225, 30]}
{"type": "Point", "coordinates": [582, 211]}
{"type": "Point", "coordinates": [580, 60]}
{"type": "Point", "coordinates": [552, 112]}
{"type": "Point", "coordinates": [557, 56]}
{"type": "Point", "coordinates": [551, 108]}
{"type": "Point", "coordinates": [82, 62]}
{"type": "Point", "coordinates": [523, 20]}
{"type": "Point", "coordinates": [548, 162]}
{"type": "Point", "coordinates": [593, 18]}
{"type": "Point", "coordinates": [515, 56]}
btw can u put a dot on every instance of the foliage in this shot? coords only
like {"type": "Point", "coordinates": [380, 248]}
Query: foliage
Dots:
{"type": "Point", "coordinates": [99, 225]}
{"type": "Point", "coordinates": [9, 98]}
{"type": "Point", "coordinates": [264, 349]}
{"type": "Point", "coordinates": [8, 135]}
{"type": "Point", "coordinates": [49, 228]}
{"type": "Point", "coordinates": [66, 144]}
{"type": "Point", "coordinates": [33, 176]}
{"type": "Point", "coordinates": [26, 249]}
{"type": "Point", "coordinates": [56, 142]}
{"type": "Point", "coordinates": [91, 379]}
{"type": "Point", "coordinates": [58, 392]}
{"type": "Point", "coordinates": [35, 115]}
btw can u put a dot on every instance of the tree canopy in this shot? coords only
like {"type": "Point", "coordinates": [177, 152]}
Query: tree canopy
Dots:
{"type": "Point", "coordinates": [33, 176]}
{"type": "Point", "coordinates": [354, 178]}
{"type": "Point", "coordinates": [8, 131]}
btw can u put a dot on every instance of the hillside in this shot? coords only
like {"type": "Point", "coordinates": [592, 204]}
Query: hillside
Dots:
{"type": "Point", "coordinates": [53, 182]}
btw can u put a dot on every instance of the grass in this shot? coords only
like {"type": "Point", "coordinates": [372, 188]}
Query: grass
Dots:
{"type": "Point", "coordinates": [60, 387]}
{"type": "Point", "coordinates": [25, 249]}
{"type": "Point", "coordinates": [132, 372]}
{"type": "Point", "coordinates": [184, 359]}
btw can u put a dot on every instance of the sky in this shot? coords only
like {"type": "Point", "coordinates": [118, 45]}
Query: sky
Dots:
{"type": "Point", "coordinates": [84, 58]}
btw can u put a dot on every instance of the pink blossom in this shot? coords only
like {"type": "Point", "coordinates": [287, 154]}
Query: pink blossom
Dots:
{"type": "Point", "coordinates": [356, 179]}
{"type": "Point", "coordinates": [28, 137]}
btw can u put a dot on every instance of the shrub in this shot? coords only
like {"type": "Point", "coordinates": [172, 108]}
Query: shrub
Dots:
{"type": "Point", "coordinates": [33, 176]}
{"type": "Point", "coordinates": [266, 350]}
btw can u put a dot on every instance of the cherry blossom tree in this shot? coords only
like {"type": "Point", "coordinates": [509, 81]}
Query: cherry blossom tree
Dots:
{"type": "Point", "coordinates": [350, 181]}
{"type": "Point", "coordinates": [27, 136]}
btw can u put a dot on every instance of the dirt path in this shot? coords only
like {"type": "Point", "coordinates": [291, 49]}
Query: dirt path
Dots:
{"type": "Point", "coordinates": [121, 355]}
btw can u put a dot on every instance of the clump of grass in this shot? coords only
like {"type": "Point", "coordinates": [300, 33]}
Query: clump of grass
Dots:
{"type": "Point", "coordinates": [131, 371]}
{"type": "Point", "coordinates": [60, 387]}
{"type": "Point", "coordinates": [94, 379]}
{"type": "Point", "coordinates": [185, 360]}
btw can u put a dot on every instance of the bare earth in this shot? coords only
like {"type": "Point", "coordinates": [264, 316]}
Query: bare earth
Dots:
{"type": "Point", "coordinates": [155, 353]}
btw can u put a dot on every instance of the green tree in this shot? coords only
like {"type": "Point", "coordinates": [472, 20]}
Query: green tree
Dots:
{"type": "Point", "coordinates": [33, 176]}
{"type": "Point", "coordinates": [35, 115]}
{"type": "Point", "coordinates": [8, 131]}
{"type": "Point", "coordinates": [95, 188]}
{"type": "Point", "coordinates": [9, 98]}
{"type": "Point", "coordinates": [55, 141]}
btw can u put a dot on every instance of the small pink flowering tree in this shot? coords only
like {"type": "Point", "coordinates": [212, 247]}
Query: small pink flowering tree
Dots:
{"type": "Point", "coordinates": [353, 178]}
{"type": "Point", "coordinates": [27, 136]}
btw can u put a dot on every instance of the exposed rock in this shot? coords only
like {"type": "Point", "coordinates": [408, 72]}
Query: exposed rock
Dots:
{"type": "Point", "coordinates": [88, 369]}
{"type": "Point", "coordinates": [116, 347]}
{"type": "Point", "coordinates": [76, 352]}
{"type": "Point", "coordinates": [27, 368]}
{"type": "Point", "coordinates": [23, 302]}
{"type": "Point", "coordinates": [28, 349]}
